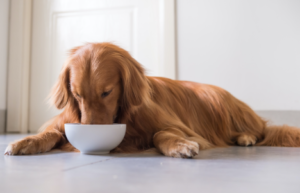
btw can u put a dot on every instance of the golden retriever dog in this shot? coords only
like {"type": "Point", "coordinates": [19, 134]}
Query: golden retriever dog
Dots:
{"type": "Point", "coordinates": [102, 84]}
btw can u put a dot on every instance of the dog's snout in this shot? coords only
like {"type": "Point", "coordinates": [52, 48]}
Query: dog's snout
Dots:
{"type": "Point", "coordinates": [87, 118]}
{"type": "Point", "coordinates": [95, 119]}
{"type": "Point", "coordinates": [87, 122]}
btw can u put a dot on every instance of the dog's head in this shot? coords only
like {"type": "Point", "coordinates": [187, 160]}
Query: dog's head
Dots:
{"type": "Point", "coordinates": [101, 80]}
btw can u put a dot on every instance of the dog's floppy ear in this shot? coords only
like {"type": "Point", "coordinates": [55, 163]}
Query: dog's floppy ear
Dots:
{"type": "Point", "coordinates": [136, 89]}
{"type": "Point", "coordinates": [60, 93]}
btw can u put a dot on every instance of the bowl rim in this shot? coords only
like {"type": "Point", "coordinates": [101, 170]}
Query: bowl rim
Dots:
{"type": "Point", "coordinates": [114, 124]}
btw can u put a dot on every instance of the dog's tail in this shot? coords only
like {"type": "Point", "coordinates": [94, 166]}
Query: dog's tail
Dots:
{"type": "Point", "coordinates": [281, 136]}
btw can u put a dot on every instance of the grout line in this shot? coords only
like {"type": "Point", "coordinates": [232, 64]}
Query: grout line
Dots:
{"type": "Point", "coordinates": [68, 169]}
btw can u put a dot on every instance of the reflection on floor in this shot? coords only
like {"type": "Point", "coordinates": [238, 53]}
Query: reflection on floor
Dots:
{"type": "Point", "coordinates": [234, 169]}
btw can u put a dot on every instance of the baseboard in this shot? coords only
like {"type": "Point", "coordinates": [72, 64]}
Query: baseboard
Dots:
{"type": "Point", "coordinates": [291, 118]}
{"type": "Point", "coordinates": [2, 120]}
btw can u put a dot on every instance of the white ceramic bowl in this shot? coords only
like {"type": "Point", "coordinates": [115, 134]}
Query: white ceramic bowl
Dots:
{"type": "Point", "coordinates": [95, 139]}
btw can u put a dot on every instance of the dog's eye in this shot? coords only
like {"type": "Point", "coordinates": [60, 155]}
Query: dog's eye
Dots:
{"type": "Point", "coordinates": [78, 95]}
{"type": "Point", "coordinates": [105, 94]}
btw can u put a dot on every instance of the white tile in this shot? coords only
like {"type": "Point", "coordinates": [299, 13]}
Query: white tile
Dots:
{"type": "Point", "coordinates": [234, 169]}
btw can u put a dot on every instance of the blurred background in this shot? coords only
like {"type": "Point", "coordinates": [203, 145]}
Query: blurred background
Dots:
{"type": "Point", "coordinates": [250, 48]}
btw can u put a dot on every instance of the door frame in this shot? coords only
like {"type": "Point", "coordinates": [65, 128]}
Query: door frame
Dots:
{"type": "Point", "coordinates": [18, 66]}
{"type": "Point", "coordinates": [19, 54]}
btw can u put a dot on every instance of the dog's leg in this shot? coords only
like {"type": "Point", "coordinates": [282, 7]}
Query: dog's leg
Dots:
{"type": "Point", "coordinates": [39, 143]}
{"type": "Point", "coordinates": [174, 143]}
{"type": "Point", "coordinates": [246, 140]}
{"type": "Point", "coordinates": [68, 147]}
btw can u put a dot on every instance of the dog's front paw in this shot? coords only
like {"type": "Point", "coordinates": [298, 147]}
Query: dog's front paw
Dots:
{"type": "Point", "coordinates": [184, 149]}
{"type": "Point", "coordinates": [23, 147]}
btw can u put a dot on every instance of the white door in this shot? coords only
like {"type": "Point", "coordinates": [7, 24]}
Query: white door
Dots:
{"type": "Point", "coordinates": [137, 26]}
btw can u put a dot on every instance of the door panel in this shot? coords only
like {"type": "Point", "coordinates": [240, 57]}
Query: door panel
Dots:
{"type": "Point", "coordinates": [60, 25]}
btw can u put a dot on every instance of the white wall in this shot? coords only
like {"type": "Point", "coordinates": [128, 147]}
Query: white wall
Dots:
{"type": "Point", "coordinates": [4, 12]}
{"type": "Point", "coordinates": [251, 48]}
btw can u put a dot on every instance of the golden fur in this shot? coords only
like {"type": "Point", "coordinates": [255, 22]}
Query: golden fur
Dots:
{"type": "Point", "coordinates": [101, 84]}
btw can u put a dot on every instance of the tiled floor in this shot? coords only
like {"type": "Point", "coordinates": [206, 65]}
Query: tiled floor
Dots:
{"type": "Point", "coordinates": [224, 170]}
